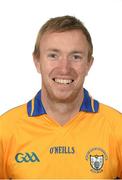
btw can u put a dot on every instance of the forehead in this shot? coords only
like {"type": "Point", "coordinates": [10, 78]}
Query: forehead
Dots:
{"type": "Point", "coordinates": [73, 39]}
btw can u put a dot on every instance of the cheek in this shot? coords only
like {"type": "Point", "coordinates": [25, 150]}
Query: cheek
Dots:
{"type": "Point", "coordinates": [46, 64]}
{"type": "Point", "coordinates": [45, 70]}
{"type": "Point", "coordinates": [81, 71]}
{"type": "Point", "coordinates": [48, 67]}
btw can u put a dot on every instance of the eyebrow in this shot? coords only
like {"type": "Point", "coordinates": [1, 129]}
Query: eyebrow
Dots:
{"type": "Point", "coordinates": [55, 50]}
{"type": "Point", "coordinates": [72, 52]}
{"type": "Point", "coordinates": [77, 52]}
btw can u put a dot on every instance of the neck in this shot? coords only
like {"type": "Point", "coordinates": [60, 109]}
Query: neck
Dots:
{"type": "Point", "coordinates": [61, 112]}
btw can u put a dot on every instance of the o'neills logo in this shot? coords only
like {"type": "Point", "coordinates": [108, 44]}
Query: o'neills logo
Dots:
{"type": "Point", "coordinates": [62, 150]}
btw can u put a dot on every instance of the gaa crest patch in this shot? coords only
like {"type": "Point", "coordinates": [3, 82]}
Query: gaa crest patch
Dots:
{"type": "Point", "coordinates": [96, 157]}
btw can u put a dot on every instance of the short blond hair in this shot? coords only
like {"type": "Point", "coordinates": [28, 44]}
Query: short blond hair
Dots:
{"type": "Point", "coordinates": [62, 24]}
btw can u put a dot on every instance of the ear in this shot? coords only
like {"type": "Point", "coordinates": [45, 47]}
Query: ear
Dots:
{"type": "Point", "coordinates": [89, 64]}
{"type": "Point", "coordinates": [37, 63]}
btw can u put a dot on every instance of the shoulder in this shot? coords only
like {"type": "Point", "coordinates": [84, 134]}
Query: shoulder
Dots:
{"type": "Point", "coordinates": [112, 118]}
{"type": "Point", "coordinates": [12, 117]}
{"type": "Point", "coordinates": [109, 112]}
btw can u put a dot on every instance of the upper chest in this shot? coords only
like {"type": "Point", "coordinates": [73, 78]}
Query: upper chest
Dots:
{"type": "Point", "coordinates": [82, 148]}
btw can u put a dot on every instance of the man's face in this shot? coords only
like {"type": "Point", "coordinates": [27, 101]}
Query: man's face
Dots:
{"type": "Point", "coordinates": [63, 64]}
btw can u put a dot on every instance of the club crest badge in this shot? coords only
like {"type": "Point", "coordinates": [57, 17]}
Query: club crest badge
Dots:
{"type": "Point", "coordinates": [96, 157]}
{"type": "Point", "coordinates": [96, 161]}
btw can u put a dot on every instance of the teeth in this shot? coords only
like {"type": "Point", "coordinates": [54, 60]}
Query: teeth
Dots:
{"type": "Point", "coordinates": [63, 81]}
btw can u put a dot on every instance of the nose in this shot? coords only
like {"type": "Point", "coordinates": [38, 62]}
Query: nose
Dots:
{"type": "Point", "coordinates": [64, 65]}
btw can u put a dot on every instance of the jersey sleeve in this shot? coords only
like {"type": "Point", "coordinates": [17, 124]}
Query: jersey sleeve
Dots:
{"type": "Point", "coordinates": [120, 158]}
{"type": "Point", "coordinates": [3, 129]}
{"type": "Point", "coordinates": [1, 155]}
{"type": "Point", "coordinates": [119, 145]}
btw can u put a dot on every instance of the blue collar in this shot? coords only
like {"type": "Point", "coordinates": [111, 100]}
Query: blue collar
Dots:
{"type": "Point", "coordinates": [36, 108]}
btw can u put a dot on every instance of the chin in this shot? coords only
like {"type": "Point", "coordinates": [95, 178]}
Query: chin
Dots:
{"type": "Point", "coordinates": [63, 97]}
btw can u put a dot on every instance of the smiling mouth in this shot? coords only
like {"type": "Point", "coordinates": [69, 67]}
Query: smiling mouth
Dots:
{"type": "Point", "coordinates": [63, 81]}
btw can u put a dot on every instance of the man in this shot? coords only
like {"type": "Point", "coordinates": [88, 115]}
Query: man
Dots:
{"type": "Point", "coordinates": [62, 132]}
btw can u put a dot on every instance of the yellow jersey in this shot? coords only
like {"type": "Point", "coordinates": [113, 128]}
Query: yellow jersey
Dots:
{"type": "Point", "coordinates": [32, 145]}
